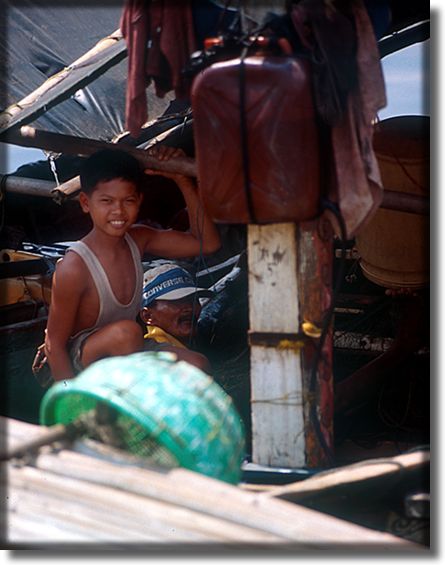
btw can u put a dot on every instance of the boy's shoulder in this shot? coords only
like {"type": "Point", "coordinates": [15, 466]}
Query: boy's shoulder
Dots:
{"type": "Point", "coordinates": [72, 267]}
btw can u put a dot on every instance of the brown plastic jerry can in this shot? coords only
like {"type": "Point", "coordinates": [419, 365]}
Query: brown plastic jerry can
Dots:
{"type": "Point", "coordinates": [280, 140]}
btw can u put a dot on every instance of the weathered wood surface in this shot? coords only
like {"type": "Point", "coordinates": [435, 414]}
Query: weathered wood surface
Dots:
{"type": "Point", "coordinates": [278, 437]}
{"type": "Point", "coordinates": [315, 295]}
{"type": "Point", "coordinates": [64, 496]}
{"type": "Point", "coordinates": [354, 476]}
{"type": "Point", "coordinates": [74, 145]}
{"type": "Point", "coordinates": [290, 292]}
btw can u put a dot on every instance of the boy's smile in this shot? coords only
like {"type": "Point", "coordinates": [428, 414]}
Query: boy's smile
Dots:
{"type": "Point", "coordinates": [113, 206]}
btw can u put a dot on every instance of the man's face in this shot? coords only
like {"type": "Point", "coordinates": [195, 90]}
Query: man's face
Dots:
{"type": "Point", "coordinates": [176, 317]}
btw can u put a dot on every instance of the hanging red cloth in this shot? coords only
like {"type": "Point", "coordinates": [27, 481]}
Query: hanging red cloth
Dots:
{"type": "Point", "coordinates": [350, 106]}
{"type": "Point", "coordinates": [160, 39]}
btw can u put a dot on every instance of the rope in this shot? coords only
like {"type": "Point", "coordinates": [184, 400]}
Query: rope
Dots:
{"type": "Point", "coordinates": [299, 398]}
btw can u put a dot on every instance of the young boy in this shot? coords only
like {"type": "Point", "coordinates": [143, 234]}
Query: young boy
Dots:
{"type": "Point", "coordinates": [97, 286]}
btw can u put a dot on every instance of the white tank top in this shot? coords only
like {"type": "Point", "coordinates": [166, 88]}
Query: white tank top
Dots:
{"type": "Point", "coordinates": [110, 309]}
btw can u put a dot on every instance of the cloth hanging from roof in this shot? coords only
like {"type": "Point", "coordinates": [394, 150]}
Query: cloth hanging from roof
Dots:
{"type": "Point", "coordinates": [356, 183]}
{"type": "Point", "coordinates": [160, 39]}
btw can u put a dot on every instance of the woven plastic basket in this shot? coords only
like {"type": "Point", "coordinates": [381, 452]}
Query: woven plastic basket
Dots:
{"type": "Point", "coordinates": [170, 412]}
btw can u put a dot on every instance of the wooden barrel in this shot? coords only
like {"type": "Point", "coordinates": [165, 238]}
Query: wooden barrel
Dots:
{"type": "Point", "coordinates": [394, 246]}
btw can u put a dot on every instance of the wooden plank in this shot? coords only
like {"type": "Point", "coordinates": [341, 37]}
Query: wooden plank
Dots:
{"type": "Point", "coordinates": [38, 496]}
{"type": "Point", "coordinates": [278, 438]}
{"type": "Point", "coordinates": [361, 473]}
{"type": "Point", "coordinates": [315, 294]}
{"type": "Point", "coordinates": [276, 381]}
{"type": "Point", "coordinates": [77, 478]}
{"type": "Point", "coordinates": [101, 513]}
{"type": "Point", "coordinates": [195, 492]}
{"type": "Point", "coordinates": [75, 145]}
{"type": "Point", "coordinates": [106, 53]}
{"type": "Point", "coordinates": [290, 291]}
{"type": "Point", "coordinates": [273, 291]}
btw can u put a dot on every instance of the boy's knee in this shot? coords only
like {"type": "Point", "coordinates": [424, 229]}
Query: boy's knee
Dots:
{"type": "Point", "coordinates": [194, 358]}
{"type": "Point", "coordinates": [127, 335]}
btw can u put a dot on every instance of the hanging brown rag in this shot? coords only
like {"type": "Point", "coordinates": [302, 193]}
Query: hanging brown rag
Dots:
{"type": "Point", "coordinates": [349, 90]}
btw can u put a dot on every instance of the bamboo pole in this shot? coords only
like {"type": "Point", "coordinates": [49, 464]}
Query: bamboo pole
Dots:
{"type": "Point", "coordinates": [74, 145]}
{"type": "Point", "coordinates": [392, 200]}
{"type": "Point", "coordinates": [106, 53]}
{"type": "Point", "coordinates": [99, 511]}
{"type": "Point", "coordinates": [55, 433]}
{"type": "Point", "coordinates": [28, 186]}
{"type": "Point", "coordinates": [195, 492]}
{"type": "Point", "coordinates": [152, 503]}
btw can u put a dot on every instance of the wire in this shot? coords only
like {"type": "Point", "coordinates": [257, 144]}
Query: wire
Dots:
{"type": "Point", "coordinates": [201, 261]}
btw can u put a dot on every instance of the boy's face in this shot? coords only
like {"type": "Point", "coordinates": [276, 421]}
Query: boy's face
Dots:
{"type": "Point", "coordinates": [113, 206]}
{"type": "Point", "coordinates": [176, 317]}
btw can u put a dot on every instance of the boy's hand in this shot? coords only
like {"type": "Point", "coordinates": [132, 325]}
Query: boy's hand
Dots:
{"type": "Point", "coordinates": [165, 153]}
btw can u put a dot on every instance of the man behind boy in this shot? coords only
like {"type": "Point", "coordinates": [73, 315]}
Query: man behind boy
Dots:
{"type": "Point", "coordinates": [170, 312]}
{"type": "Point", "coordinates": [97, 286]}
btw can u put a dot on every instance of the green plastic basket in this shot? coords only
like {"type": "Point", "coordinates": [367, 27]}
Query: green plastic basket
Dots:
{"type": "Point", "coordinates": [167, 411]}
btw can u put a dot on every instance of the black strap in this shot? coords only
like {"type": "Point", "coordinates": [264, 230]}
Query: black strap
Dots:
{"type": "Point", "coordinates": [244, 138]}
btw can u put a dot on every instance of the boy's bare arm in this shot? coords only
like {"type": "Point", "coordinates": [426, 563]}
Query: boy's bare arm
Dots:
{"type": "Point", "coordinates": [201, 225]}
{"type": "Point", "coordinates": [66, 290]}
{"type": "Point", "coordinates": [203, 236]}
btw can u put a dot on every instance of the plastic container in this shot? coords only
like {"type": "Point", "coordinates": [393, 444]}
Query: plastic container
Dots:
{"type": "Point", "coordinates": [283, 145]}
{"type": "Point", "coordinates": [394, 246]}
{"type": "Point", "coordinates": [25, 286]}
{"type": "Point", "coordinates": [170, 412]}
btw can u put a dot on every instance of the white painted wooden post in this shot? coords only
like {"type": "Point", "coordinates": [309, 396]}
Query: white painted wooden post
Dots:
{"type": "Point", "coordinates": [278, 437]}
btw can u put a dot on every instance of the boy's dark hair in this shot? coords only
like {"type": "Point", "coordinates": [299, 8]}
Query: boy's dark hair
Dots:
{"type": "Point", "coordinates": [109, 164]}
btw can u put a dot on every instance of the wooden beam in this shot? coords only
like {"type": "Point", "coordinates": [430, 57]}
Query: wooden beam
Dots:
{"type": "Point", "coordinates": [73, 145]}
{"type": "Point", "coordinates": [151, 501]}
{"type": "Point", "coordinates": [278, 437]}
{"type": "Point", "coordinates": [290, 291]}
{"type": "Point", "coordinates": [28, 136]}
{"type": "Point", "coordinates": [357, 474]}
{"type": "Point", "coordinates": [105, 54]}
{"type": "Point", "coordinates": [315, 295]}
